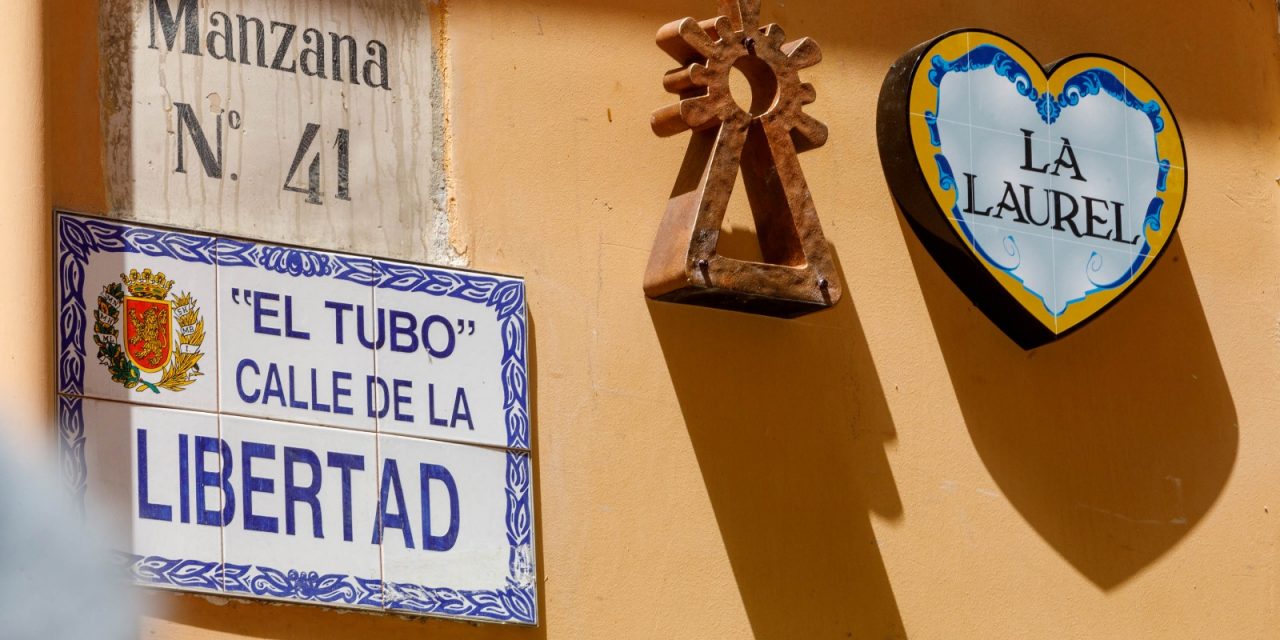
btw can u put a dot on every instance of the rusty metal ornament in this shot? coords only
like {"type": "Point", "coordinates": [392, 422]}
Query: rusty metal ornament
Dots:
{"type": "Point", "coordinates": [798, 275]}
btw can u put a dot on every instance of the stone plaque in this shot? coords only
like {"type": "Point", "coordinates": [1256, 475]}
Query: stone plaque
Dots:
{"type": "Point", "coordinates": [314, 121]}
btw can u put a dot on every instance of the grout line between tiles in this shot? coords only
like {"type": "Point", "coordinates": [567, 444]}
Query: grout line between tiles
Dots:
{"type": "Point", "coordinates": [377, 458]}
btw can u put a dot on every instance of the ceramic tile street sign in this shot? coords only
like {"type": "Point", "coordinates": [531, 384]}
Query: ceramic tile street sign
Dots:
{"type": "Point", "coordinates": [1046, 195]}
{"type": "Point", "coordinates": [276, 422]}
{"type": "Point", "coordinates": [314, 120]}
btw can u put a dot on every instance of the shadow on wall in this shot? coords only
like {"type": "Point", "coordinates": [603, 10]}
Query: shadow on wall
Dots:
{"type": "Point", "coordinates": [789, 422]}
{"type": "Point", "coordinates": [1114, 442]}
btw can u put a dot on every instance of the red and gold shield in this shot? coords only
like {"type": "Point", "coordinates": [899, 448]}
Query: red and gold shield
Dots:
{"type": "Point", "coordinates": [148, 333]}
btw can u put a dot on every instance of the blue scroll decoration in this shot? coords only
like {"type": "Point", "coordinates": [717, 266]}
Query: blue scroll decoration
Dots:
{"type": "Point", "coordinates": [71, 441]}
{"type": "Point", "coordinates": [79, 238]}
{"type": "Point", "coordinates": [164, 572]}
{"type": "Point", "coordinates": [1090, 82]}
{"type": "Point", "coordinates": [295, 262]}
{"type": "Point", "coordinates": [982, 57]}
{"type": "Point", "coordinates": [1086, 83]}
{"type": "Point", "coordinates": [302, 586]}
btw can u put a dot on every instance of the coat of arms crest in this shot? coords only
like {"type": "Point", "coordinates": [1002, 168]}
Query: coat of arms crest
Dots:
{"type": "Point", "coordinates": [159, 347]}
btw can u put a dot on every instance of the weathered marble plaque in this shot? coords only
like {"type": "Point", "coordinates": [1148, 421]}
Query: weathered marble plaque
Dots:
{"type": "Point", "coordinates": [315, 121]}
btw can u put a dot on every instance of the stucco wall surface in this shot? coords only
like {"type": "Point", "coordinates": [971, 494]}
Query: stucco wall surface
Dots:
{"type": "Point", "coordinates": [894, 467]}
{"type": "Point", "coordinates": [23, 372]}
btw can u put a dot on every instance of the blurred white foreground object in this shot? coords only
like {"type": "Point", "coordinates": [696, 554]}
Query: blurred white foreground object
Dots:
{"type": "Point", "coordinates": [55, 581]}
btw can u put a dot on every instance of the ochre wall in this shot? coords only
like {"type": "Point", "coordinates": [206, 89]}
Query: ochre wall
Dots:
{"type": "Point", "coordinates": [893, 467]}
{"type": "Point", "coordinates": [25, 254]}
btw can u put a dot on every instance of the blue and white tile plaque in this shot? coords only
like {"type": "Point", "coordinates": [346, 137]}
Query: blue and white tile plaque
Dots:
{"type": "Point", "coordinates": [273, 422]}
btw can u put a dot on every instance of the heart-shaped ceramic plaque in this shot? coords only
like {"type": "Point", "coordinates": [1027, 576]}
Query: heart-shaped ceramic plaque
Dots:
{"type": "Point", "coordinates": [1044, 196]}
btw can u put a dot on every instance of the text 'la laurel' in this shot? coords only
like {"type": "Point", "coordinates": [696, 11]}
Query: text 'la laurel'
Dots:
{"type": "Point", "coordinates": [1062, 208]}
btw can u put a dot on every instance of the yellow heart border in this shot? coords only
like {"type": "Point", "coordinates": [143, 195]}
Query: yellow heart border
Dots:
{"type": "Point", "coordinates": [910, 75]}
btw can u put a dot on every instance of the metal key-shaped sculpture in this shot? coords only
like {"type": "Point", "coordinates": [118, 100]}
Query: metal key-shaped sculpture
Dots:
{"type": "Point", "coordinates": [797, 275]}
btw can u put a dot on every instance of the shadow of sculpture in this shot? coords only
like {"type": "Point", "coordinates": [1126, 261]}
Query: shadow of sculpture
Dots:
{"type": "Point", "coordinates": [789, 423]}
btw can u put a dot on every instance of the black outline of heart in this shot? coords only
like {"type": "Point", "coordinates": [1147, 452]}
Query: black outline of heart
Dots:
{"type": "Point", "coordinates": [914, 196]}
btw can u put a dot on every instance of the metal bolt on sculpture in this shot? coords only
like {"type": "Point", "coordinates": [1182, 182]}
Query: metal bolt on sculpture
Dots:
{"type": "Point", "coordinates": [797, 275]}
